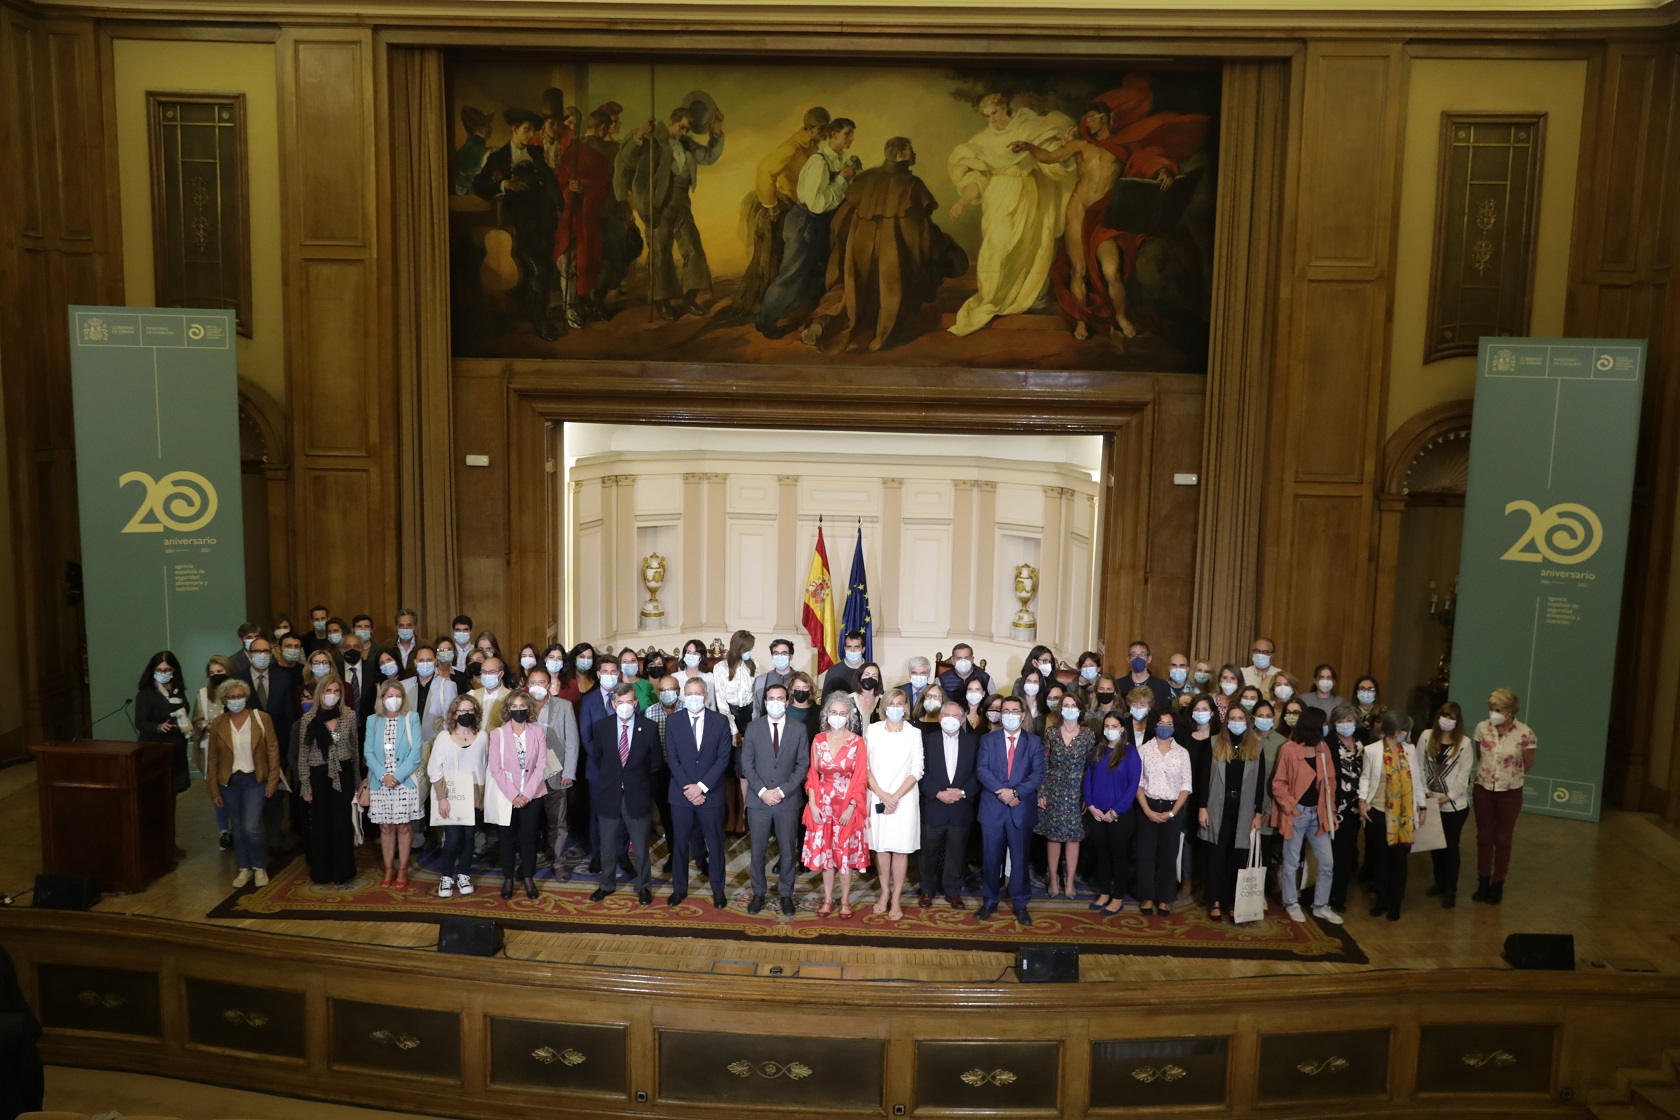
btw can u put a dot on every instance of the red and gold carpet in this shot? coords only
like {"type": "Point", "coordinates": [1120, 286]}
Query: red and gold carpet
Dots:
{"type": "Point", "coordinates": [566, 908]}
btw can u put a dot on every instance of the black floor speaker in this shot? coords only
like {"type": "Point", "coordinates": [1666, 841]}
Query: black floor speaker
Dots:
{"type": "Point", "coordinates": [1047, 964]}
{"type": "Point", "coordinates": [472, 937]}
{"type": "Point", "coordinates": [64, 892]}
{"type": "Point", "coordinates": [1541, 950]}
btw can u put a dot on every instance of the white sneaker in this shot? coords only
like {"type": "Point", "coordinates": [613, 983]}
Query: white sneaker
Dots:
{"type": "Point", "coordinates": [446, 887]}
{"type": "Point", "coordinates": [260, 877]}
{"type": "Point", "coordinates": [242, 878]}
{"type": "Point", "coordinates": [1325, 914]}
{"type": "Point", "coordinates": [1294, 913]}
{"type": "Point", "coordinates": [464, 883]}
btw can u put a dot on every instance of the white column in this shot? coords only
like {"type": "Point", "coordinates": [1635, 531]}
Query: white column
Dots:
{"type": "Point", "coordinates": [1049, 609]}
{"type": "Point", "coordinates": [791, 575]}
{"type": "Point", "coordinates": [892, 531]}
{"type": "Point", "coordinates": [714, 614]}
{"type": "Point", "coordinates": [692, 561]}
{"type": "Point", "coordinates": [986, 575]}
{"type": "Point", "coordinates": [962, 559]}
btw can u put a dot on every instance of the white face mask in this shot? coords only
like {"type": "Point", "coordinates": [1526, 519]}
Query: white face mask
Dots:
{"type": "Point", "coordinates": [918, 680]}
{"type": "Point", "coordinates": [609, 681]}
{"type": "Point", "coordinates": [329, 700]}
{"type": "Point", "coordinates": [1446, 724]}
{"type": "Point", "coordinates": [994, 717]}
{"type": "Point", "coordinates": [695, 703]}
{"type": "Point", "coordinates": [1046, 666]}
{"type": "Point", "coordinates": [1283, 692]}
{"type": "Point", "coordinates": [1496, 718]}
{"type": "Point", "coordinates": [1326, 684]}
{"type": "Point", "coordinates": [975, 698]}
{"type": "Point", "coordinates": [538, 693]}
{"type": "Point", "coordinates": [1140, 714]}
{"type": "Point", "coordinates": [692, 660]}
{"type": "Point", "coordinates": [962, 665]}
{"type": "Point", "coordinates": [836, 720]}
{"type": "Point", "coordinates": [1112, 734]}
{"type": "Point", "coordinates": [625, 711]}
{"type": "Point", "coordinates": [931, 704]}
{"type": "Point", "coordinates": [1069, 715]}
{"type": "Point", "coordinates": [1248, 703]}
{"type": "Point", "coordinates": [527, 663]}
{"type": "Point", "coordinates": [1228, 687]}
{"type": "Point", "coordinates": [950, 724]}
{"type": "Point", "coordinates": [1030, 688]}
{"type": "Point", "coordinates": [895, 714]}
{"type": "Point", "coordinates": [392, 703]}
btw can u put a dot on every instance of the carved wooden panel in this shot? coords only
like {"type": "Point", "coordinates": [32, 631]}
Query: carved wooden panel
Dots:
{"type": "Point", "coordinates": [563, 1057]}
{"type": "Point", "coordinates": [1633, 91]}
{"type": "Point", "coordinates": [990, 1077]}
{"type": "Point", "coordinates": [791, 1072]}
{"type": "Point", "coordinates": [74, 109]}
{"type": "Point", "coordinates": [1159, 1072]}
{"type": "Point", "coordinates": [1349, 158]}
{"type": "Point", "coordinates": [1491, 1058]}
{"type": "Point", "coordinates": [403, 1041]}
{"type": "Point", "coordinates": [1336, 351]}
{"type": "Point", "coordinates": [256, 1020]}
{"type": "Point", "coordinates": [331, 321]}
{"type": "Point", "coordinates": [333, 134]}
{"type": "Point", "coordinates": [1323, 1065]}
{"type": "Point", "coordinates": [107, 1000]}
{"type": "Point", "coordinates": [19, 76]}
{"type": "Point", "coordinates": [201, 237]}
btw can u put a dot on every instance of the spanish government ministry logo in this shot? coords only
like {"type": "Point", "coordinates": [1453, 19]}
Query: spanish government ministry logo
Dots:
{"type": "Point", "coordinates": [95, 330]}
{"type": "Point", "coordinates": [1504, 361]}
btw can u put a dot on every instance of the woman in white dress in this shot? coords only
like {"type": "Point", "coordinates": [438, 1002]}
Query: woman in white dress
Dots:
{"type": "Point", "coordinates": [895, 821]}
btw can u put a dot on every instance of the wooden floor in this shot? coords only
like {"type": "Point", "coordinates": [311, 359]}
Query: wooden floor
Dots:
{"type": "Point", "coordinates": [1610, 884]}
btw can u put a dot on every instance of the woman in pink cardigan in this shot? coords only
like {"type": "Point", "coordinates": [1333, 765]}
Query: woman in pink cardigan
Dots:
{"type": "Point", "coordinates": [1304, 811]}
{"type": "Point", "coordinates": [516, 768]}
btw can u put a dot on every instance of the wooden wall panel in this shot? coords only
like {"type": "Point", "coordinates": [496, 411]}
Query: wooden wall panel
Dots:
{"type": "Point", "coordinates": [1336, 356]}
{"type": "Point", "coordinates": [330, 85]}
{"type": "Point", "coordinates": [481, 499]}
{"type": "Point", "coordinates": [341, 412]}
{"type": "Point", "coordinates": [1347, 158]}
{"type": "Point", "coordinates": [1169, 571]}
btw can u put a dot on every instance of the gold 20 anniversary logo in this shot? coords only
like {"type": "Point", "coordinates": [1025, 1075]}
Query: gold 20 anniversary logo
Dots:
{"type": "Point", "coordinates": [182, 502]}
{"type": "Point", "coordinates": [1567, 533]}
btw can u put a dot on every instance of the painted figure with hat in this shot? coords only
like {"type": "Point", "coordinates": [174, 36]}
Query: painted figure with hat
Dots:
{"type": "Point", "coordinates": [657, 171]}
{"type": "Point", "coordinates": [517, 176]}
{"type": "Point", "coordinates": [585, 179]}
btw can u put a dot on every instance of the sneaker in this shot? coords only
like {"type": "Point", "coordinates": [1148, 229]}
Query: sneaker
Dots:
{"type": "Point", "coordinates": [446, 887]}
{"type": "Point", "coordinates": [226, 841]}
{"type": "Point", "coordinates": [463, 883]}
{"type": "Point", "coordinates": [260, 877]}
{"type": "Point", "coordinates": [242, 878]}
{"type": "Point", "coordinates": [1294, 913]}
{"type": "Point", "coordinates": [1325, 914]}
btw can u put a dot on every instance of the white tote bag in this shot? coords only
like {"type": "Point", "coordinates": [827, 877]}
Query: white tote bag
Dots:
{"type": "Point", "coordinates": [1251, 885]}
{"type": "Point", "coordinates": [1430, 836]}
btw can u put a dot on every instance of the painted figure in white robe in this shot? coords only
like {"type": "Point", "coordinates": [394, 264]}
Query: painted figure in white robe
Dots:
{"type": "Point", "coordinates": [1021, 203]}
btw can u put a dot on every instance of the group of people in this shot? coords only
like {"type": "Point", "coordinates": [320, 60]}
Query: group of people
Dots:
{"type": "Point", "coordinates": [1171, 781]}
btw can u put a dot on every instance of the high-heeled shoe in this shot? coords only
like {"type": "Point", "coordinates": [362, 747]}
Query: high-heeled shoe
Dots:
{"type": "Point", "coordinates": [530, 888]}
{"type": "Point", "coordinates": [507, 888]}
{"type": "Point", "coordinates": [389, 878]}
{"type": "Point", "coordinates": [402, 877]}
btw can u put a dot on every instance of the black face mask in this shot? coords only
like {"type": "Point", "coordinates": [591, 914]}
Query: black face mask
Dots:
{"type": "Point", "coordinates": [800, 696]}
{"type": "Point", "coordinates": [468, 720]}
{"type": "Point", "coordinates": [519, 715]}
{"type": "Point", "coordinates": [869, 684]}
{"type": "Point", "coordinates": [351, 656]}
{"type": "Point", "coordinates": [1105, 697]}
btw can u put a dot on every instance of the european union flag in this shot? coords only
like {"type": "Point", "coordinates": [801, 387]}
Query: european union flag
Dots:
{"type": "Point", "coordinates": [857, 602]}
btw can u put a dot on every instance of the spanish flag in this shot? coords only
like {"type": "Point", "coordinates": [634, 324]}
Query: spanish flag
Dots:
{"type": "Point", "coordinates": [818, 615]}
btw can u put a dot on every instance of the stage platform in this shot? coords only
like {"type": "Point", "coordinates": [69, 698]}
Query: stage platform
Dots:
{"type": "Point", "coordinates": [578, 1023]}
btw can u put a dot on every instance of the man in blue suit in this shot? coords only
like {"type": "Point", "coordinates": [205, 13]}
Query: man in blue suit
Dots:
{"type": "Point", "coordinates": [598, 705]}
{"type": "Point", "coordinates": [697, 749]}
{"type": "Point", "coordinates": [1011, 769]}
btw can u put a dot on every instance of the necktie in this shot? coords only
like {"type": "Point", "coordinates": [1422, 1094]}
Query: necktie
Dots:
{"type": "Point", "coordinates": [775, 739]}
{"type": "Point", "coordinates": [696, 734]}
{"type": "Point", "coordinates": [623, 745]}
{"type": "Point", "coordinates": [1009, 760]}
{"type": "Point", "coordinates": [262, 691]}
{"type": "Point", "coordinates": [355, 675]}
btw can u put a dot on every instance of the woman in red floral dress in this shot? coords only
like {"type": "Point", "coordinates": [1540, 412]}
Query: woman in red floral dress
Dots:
{"type": "Point", "coordinates": [836, 805]}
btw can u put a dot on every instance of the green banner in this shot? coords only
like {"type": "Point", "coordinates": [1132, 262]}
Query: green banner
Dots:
{"type": "Point", "coordinates": [1545, 541]}
{"type": "Point", "coordinates": [157, 475]}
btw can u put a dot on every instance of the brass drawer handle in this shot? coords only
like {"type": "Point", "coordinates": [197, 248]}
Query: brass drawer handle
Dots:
{"type": "Point", "coordinates": [256, 1020]}
{"type": "Point", "coordinates": [1477, 1060]}
{"type": "Point", "coordinates": [110, 1001]}
{"type": "Point", "coordinates": [794, 1071]}
{"type": "Point", "coordinates": [1332, 1064]}
{"type": "Point", "coordinates": [979, 1077]}
{"type": "Point", "coordinates": [547, 1055]}
{"type": "Point", "coordinates": [400, 1041]}
{"type": "Point", "coordinates": [1169, 1072]}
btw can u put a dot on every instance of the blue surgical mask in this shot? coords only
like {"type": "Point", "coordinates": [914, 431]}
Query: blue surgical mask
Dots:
{"type": "Point", "coordinates": [447, 656]}
{"type": "Point", "coordinates": [163, 678]}
{"type": "Point", "coordinates": [694, 703]}
{"type": "Point", "coordinates": [307, 706]}
{"type": "Point", "coordinates": [585, 664]}
{"type": "Point", "coordinates": [776, 709]}
{"type": "Point", "coordinates": [319, 626]}
{"type": "Point", "coordinates": [1346, 730]}
{"type": "Point", "coordinates": [1262, 724]}
{"type": "Point", "coordinates": [629, 669]}
{"type": "Point", "coordinates": [854, 657]}
{"type": "Point", "coordinates": [1202, 717]}
{"type": "Point", "coordinates": [1262, 661]}
{"type": "Point", "coordinates": [668, 697]}
{"type": "Point", "coordinates": [1089, 672]}
{"type": "Point", "coordinates": [895, 713]}
{"type": "Point", "coordinates": [1203, 678]}
{"type": "Point", "coordinates": [609, 681]}
{"type": "Point", "coordinates": [425, 668]}
{"type": "Point", "coordinates": [1248, 703]}
{"type": "Point", "coordinates": [491, 681]}
{"type": "Point", "coordinates": [780, 661]}
{"type": "Point", "coordinates": [746, 655]}
{"type": "Point", "coordinates": [364, 633]}
{"type": "Point", "coordinates": [405, 633]}
{"type": "Point", "coordinates": [320, 669]}
{"type": "Point", "coordinates": [336, 637]}
{"type": "Point", "coordinates": [388, 669]}
{"type": "Point", "coordinates": [691, 660]}
{"type": "Point", "coordinates": [261, 661]}
{"type": "Point", "coordinates": [1165, 730]}
{"type": "Point", "coordinates": [1236, 729]}
{"type": "Point", "coordinates": [292, 655]}
{"type": "Point", "coordinates": [1112, 734]}
{"type": "Point", "coordinates": [1012, 721]}
{"type": "Point", "coordinates": [553, 665]}
{"type": "Point", "coordinates": [1178, 676]}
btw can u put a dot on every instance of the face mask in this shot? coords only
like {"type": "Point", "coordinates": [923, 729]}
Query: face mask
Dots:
{"type": "Point", "coordinates": [405, 633]}
{"type": "Point", "coordinates": [527, 663]}
{"type": "Point", "coordinates": [1346, 730]}
{"type": "Point", "coordinates": [307, 706]}
{"type": "Point", "coordinates": [1165, 730]}
{"type": "Point", "coordinates": [1089, 673]}
{"type": "Point", "coordinates": [388, 669]}
{"type": "Point", "coordinates": [237, 704]}
{"type": "Point", "coordinates": [352, 657]}
{"type": "Point", "coordinates": [629, 670]}
{"type": "Point", "coordinates": [1236, 729]}
{"type": "Point", "coordinates": [975, 698]}
{"type": "Point", "coordinates": [609, 680]}
{"type": "Point", "coordinates": [625, 711]}
{"type": "Point", "coordinates": [668, 696]}
{"type": "Point", "coordinates": [319, 626]}
{"type": "Point", "coordinates": [553, 666]}
{"type": "Point", "coordinates": [1290, 719]}
{"type": "Point", "coordinates": [962, 665]}
{"type": "Point", "coordinates": [468, 720]}
{"type": "Point", "coordinates": [1203, 678]}
{"type": "Point", "coordinates": [1283, 692]}
{"type": "Point", "coordinates": [776, 709]}
{"type": "Point", "coordinates": [335, 637]}
{"type": "Point", "coordinates": [694, 703]}
{"type": "Point", "coordinates": [491, 681]}
{"type": "Point", "coordinates": [1248, 703]}
{"type": "Point", "coordinates": [364, 634]}
{"type": "Point", "coordinates": [585, 664]}
{"type": "Point", "coordinates": [931, 704]}
{"type": "Point", "coordinates": [1262, 661]}
{"type": "Point", "coordinates": [1446, 724]}
{"type": "Point", "coordinates": [538, 693]}
{"type": "Point", "coordinates": [801, 696]}
{"type": "Point", "coordinates": [163, 678]}
{"type": "Point", "coordinates": [1202, 718]}
{"type": "Point", "coordinates": [1030, 688]}
{"type": "Point", "coordinates": [292, 655]}
{"type": "Point", "coordinates": [1112, 734]}
{"type": "Point", "coordinates": [1140, 714]}
{"type": "Point", "coordinates": [780, 662]}
{"type": "Point", "coordinates": [994, 717]}
{"type": "Point", "coordinates": [836, 720]}
{"type": "Point", "coordinates": [425, 669]}
{"type": "Point", "coordinates": [1178, 676]}
{"type": "Point", "coordinates": [246, 642]}
{"type": "Point", "coordinates": [392, 703]}
{"type": "Point", "coordinates": [1496, 718]}
{"type": "Point", "coordinates": [1139, 664]}
{"type": "Point", "coordinates": [692, 660]}
{"type": "Point", "coordinates": [895, 713]}
{"type": "Point", "coordinates": [854, 657]}
{"type": "Point", "coordinates": [281, 632]}
{"type": "Point", "coordinates": [1012, 721]}
{"type": "Point", "coordinates": [746, 655]}
{"type": "Point", "coordinates": [1069, 715]}
{"type": "Point", "coordinates": [1105, 697]}
{"type": "Point", "coordinates": [950, 724]}
{"type": "Point", "coordinates": [519, 715]}
{"type": "Point", "coordinates": [1263, 725]}
{"type": "Point", "coordinates": [261, 661]}
{"type": "Point", "coordinates": [463, 637]}
{"type": "Point", "coordinates": [1228, 687]}
{"type": "Point", "coordinates": [918, 680]}
{"type": "Point", "coordinates": [1366, 696]}
{"type": "Point", "coordinates": [1326, 684]}
{"type": "Point", "coordinates": [870, 684]}
{"type": "Point", "coordinates": [329, 700]}
{"type": "Point", "coordinates": [447, 656]}
{"type": "Point", "coordinates": [319, 670]}
{"type": "Point", "coordinates": [1045, 667]}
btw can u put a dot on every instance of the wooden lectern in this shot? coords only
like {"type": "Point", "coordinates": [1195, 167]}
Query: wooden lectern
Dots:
{"type": "Point", "coordinates": [107, 811]}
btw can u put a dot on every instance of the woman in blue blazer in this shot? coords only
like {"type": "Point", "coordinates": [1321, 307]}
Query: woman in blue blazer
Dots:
{"type": "Point", "coordinates": [392, 749]}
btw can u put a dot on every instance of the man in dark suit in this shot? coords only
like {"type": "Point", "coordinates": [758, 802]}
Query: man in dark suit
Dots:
{"type": "Point", "coordinates": [950, 788]}
{"type": "Point", "coordinates": [1010, 770]}
{"type": "Point", "coordinates": [954, 681]}
{"type": "Point", "coordinates": [242, 656]}
{"type": "Point", "coordinates": [697, 749]}
{"type": "Point", "coordinates": [362, 627]}
{"type": "Point", "coordinates": [775, 754]}
{"type": "Point", "coordinates": [361, 683]}
{"type": "Point", "coordinates": [921, 670]}
{"type": "Point", "coordinates": [271, 688]}
{"type": "Point", "coordinates": [316, 637]}
{"type": "Point", "coordinates": [517, 176]}
{"type": "Point", "coordinates": [625, 748]}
